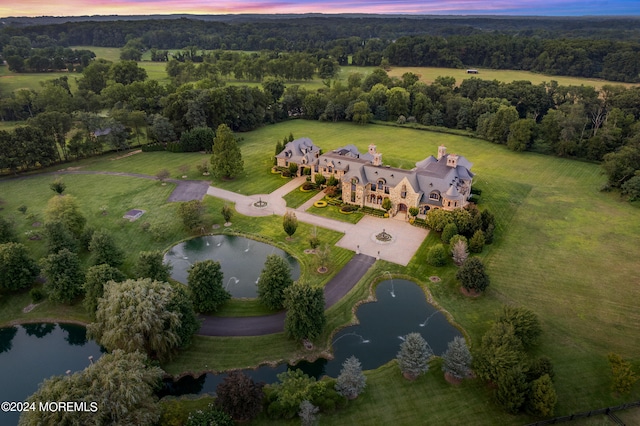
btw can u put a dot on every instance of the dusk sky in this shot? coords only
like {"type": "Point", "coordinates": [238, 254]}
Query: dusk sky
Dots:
{"type": "Point", "coordinates": [440, 7]}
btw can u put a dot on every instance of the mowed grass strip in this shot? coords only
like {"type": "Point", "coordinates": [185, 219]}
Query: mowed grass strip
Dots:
{"type": "Point", "coordinates": [296, 198]}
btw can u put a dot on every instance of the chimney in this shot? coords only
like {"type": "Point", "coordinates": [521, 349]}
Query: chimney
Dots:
{"type": "Point", "coordinates": [452, 160]}
{"type": "Point", "coordinates": [442, 151]}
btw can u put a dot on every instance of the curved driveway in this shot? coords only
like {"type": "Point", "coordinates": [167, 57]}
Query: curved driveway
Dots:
{"type": "Point", "coordinates": [335, 290]}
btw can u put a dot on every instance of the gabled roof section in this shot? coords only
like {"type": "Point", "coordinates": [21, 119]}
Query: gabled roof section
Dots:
{"type": "Point", "coordinates": [299, 149]}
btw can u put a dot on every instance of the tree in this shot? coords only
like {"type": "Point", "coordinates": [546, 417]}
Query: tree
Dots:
{"type": "Point", "coordinates": [387, 204]}
{"type": "Point", "coordinates": [521, 134]}
{"type": "Point", "coordinates": [456, 361]}
{"type": "Point", "coordinates": [17, 269]}
{"type": "Point", "coordinates": [58, 186]}
{"type": "Point", "coordinates": [476, 243]}
{"type": "Point", "coordinates": [59, 237]}
{"type": "Point", "coordinates": [525, 323]}
{"type": "Point", "coordinates": [472, 276]}
{"type": "Point", "coordinates": [323, 256]}
{"type": "Point", "coordinates": [163, 175]}
{"type": "Point", "coordinates": [631, 188]}
{"type": "Point", "coordinates": [437, 255]}
{"type": "Point", "coordinates": [95, 279]}
{"type": "Point", "coordinates": [305, 311]}
{"type": "Point", "coordinates": [150, 265]}
{"type": "Point", "coordinates": [66, 210]}
{"type": "Point", "coordinates": [7, 231]}
{"type": "Point", "coordinates": [459, 251]}
{"type": "Point", "coordinates": [205, 282]}
{"type": "Point", "coordinates": [274, 279]}
{"type": "Point", "coordinates": [499, 351]}
{"type": "Point", "coordinates": [449, 231]}
{"type": "Point", "coordinates": [104, 249]}
{"type": "Point", "coordinates": [359, 112]}
{"type": "Point", "coordinates": [290, 223]}
{"type": "Point", "coordinates": [512, 389]}
{"type": "Point", "coordinates": [126, 72]}
{"type": "Point", "coordinates": [351, 381]}
{"type": "Point", "coordinates": [308, 413]}
{"type": "Point", "coordinates": [320, 179]}
{"type": "Point", "coordinates": [117, 389]}
{"type": "Point", "coordinates": [210, 416]}
{"type": "Point", "coordinates": [623, 376]}
{"type": "Point", "coordinates": [292, 388]}
{"type": "Point", "coordinates": [191, 214]}
{"type": "Point", "coordinates": [542, 397]}
{"type": "Point", "coordinates": [197, 139]}
{"type": "Point", "coordinates": [413, 358]}
{"type": "Point", "coordinates": [227, 213]}
{"type": "Point", "coordinates": [134, 315]}
{"type": "Point", "coordinates": [65, 278]}
{"type": "Point", "coordinates": [239, 396]}
{"type": "Point", "coordinates": [226, 160]}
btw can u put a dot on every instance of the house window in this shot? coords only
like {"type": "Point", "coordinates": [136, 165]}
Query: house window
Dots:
{"type": "Point", "coordinates": [381, 183]}
{"type": "Point", "coordinates": [434, 196]}
{"type": "Point", "coordinates": [373, 187]}
{"type": "Point", "coordinates": [386, 189]}
{"type": "Point", "coordinates": [403, 193]}
{"type": "Point", "coordinates": [353, 196]}
{"type": "Point", "coordinates": [330, 169]}
{"type": "Point", "coordinates": [372, 199]}
{"type": "Point", "coordinates": [379, 199]}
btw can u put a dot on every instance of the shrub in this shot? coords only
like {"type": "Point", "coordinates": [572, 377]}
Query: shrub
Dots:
{"type": "Point", "coordinates": [449, 231]}
{"type": "Point", "coordinates": [308, 186]}
{"type": "Point", "coordinates": [320, 179]}
{"type": "Point", "coordinates": [437, 256]}
{"type": "Point", "coordinates": [542, 397]}
{"type": "Point", "coordinates": [526, 325]}
{"type": "Point", "coordinates": [332, 181]}
{"type": "Point", "coordinates": [472, 276]}
{"type": "Point", "coordinates": [476, 243]}
{"type": "Point", "coordinates": [293, 168]}
{"type": "Point", "coordinates": [414, 211]}
{"type": "Point", "coordinates": [623, 376]}
{"type": "Point", "coordinates": [37, 294]}
{"type": "Point", "coordinates": [348, 208]}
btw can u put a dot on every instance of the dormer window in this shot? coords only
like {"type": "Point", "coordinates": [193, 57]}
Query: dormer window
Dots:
{"type": "Point", "coordinates": [381, 183]}
{"type": "Point", "coordinates": [434, 196]}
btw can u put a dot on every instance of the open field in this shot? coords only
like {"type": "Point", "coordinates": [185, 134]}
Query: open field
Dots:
{"type": "Point", "coordinates": [562, 249]}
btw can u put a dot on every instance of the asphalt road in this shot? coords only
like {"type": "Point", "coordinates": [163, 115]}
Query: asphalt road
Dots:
{"type": "Point", "coordinates": [335, 290]}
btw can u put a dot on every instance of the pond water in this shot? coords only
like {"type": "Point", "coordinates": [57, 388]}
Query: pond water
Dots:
{"type": "Point", "coordinates": [30, 353]}
{"type": "Point", "coordinates": [241, 259]}
{"type": "Point", "coordinates": [401, 309]}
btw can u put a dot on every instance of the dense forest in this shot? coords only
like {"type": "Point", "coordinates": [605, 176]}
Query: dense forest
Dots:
{"type": "Point", "coordinates": [569, 121]}
{"type": "Point", "coordinates": [584, 47]}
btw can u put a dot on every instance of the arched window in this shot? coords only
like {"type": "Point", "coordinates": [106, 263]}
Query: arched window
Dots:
{"type": "Point", "coordinates": [434, 195]}
{"type": "Point", "coordinates": [381, 183]}
{"type": "Point", "coordinates": [403, 192]}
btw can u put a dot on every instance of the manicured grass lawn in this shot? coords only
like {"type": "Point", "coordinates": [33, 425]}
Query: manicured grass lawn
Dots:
{"type": "Point", "coordinates": [333, 212]}
{"type": "Point", "coordinates": [108, 53]}
{"type": "Point", "coordinates": [11, 81]}
{"type": "Point", "coordinates": [296, 198]}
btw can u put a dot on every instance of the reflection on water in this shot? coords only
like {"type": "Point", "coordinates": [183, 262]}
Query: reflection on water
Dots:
{"type": "Point", "coordinates": [240, 258]}
{"type": "Point", "coordinates": [401, 309]}
{"type": "Point", "coordinates": [31, 353]}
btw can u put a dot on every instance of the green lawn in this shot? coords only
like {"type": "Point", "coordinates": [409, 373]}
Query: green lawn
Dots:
{"type": "Point", "coordinates": [333, 212]}
{"type": "Point", "coordinates": [296, 198]}
{"type": "Point", "coordinates": [563, 249]}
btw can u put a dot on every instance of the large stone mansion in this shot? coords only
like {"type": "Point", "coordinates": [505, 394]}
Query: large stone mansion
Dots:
{"type": "Point", "coordinates": [443, 182]}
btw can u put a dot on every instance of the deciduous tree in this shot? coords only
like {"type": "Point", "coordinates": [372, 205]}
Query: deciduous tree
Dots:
{"type": "Point", "coordinates": [151, 265]}
{"type": "Point", "coordinates": [290, 223]}
{"type": "Point", "coordinates": [104, 249]}
{"type": "Point", "coordinates": [95, 279]}
{"type": "Point", "coordinates": [66, 210]}
{"type": "Point", "coordinates": [17, 269]}
{"type": "Point", "coordinates": [472, 276]}
{"type": "Point", "coordinates": [121, 384]}
{"type": "Point", "coordinates": [207, 291]}
{"type": "Point", "coordinates": [134, 315]}
{"type": "Point", "coordinates": [305, 311]}
{"type": "Point", "coordinates": [65, 277]}
{"type": "Point", "coordinates": [239, 396]}
{"type": "Point", "coordinates": [542, 397]}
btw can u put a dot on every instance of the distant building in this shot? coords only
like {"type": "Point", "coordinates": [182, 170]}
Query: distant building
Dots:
{"type": "Point", "coordinates": [443, 182]}
{"type": "Point", "coordinates": [472, 71]}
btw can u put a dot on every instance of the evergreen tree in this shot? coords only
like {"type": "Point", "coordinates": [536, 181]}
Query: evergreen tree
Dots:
{"type": "Point", "coordinates": [226, 160]}
{"type": "Point", "coordinates": [456, 361]}
{"type": "Point", "coordinates": [476, 243]}
{"type": "Point", "coordinates": [308, 413]}
{"type": "Point", "coordinates": [207, 291]}
{"type": "Point", "coordinates": [449, 231]}
{"type": "Point", "coordinates": [512, 389]}
{"type": "Point", "coordinates": [7, 232]}
{"type": "Point", "coordinates": [542, 397]}
{"type": "Point", "coordinates": [305, 311]}
{"type": "Point", "coordinates": [274, 279]}
{"type": "Point", "coordinates": [351, 381]}
{"type": "Point", "coordinates": [437, 255]}
{"type": "Point", "coordinates": [413, 358]}
{"type": "Point", "coordinates": [526, 325]}
{"type": "Point", "coordinates": [499, 351]}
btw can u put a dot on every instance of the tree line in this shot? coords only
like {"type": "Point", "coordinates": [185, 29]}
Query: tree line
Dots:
{"type": "Point", "coordinates": [576, 47]}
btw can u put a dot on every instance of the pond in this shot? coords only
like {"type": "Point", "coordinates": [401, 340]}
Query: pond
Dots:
{"type": "Point", "coordinates": [401, 308]}
{"type": "Point", "coordinates": [241, 259]}
{"type": "Point", "coordinates": [30, 353]}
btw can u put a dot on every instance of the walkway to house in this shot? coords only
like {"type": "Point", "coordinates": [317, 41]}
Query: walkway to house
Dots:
{"type": "Point", "coordinates": [335, 290]}
{"type": "Point", "coordinates": [359, 237]}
